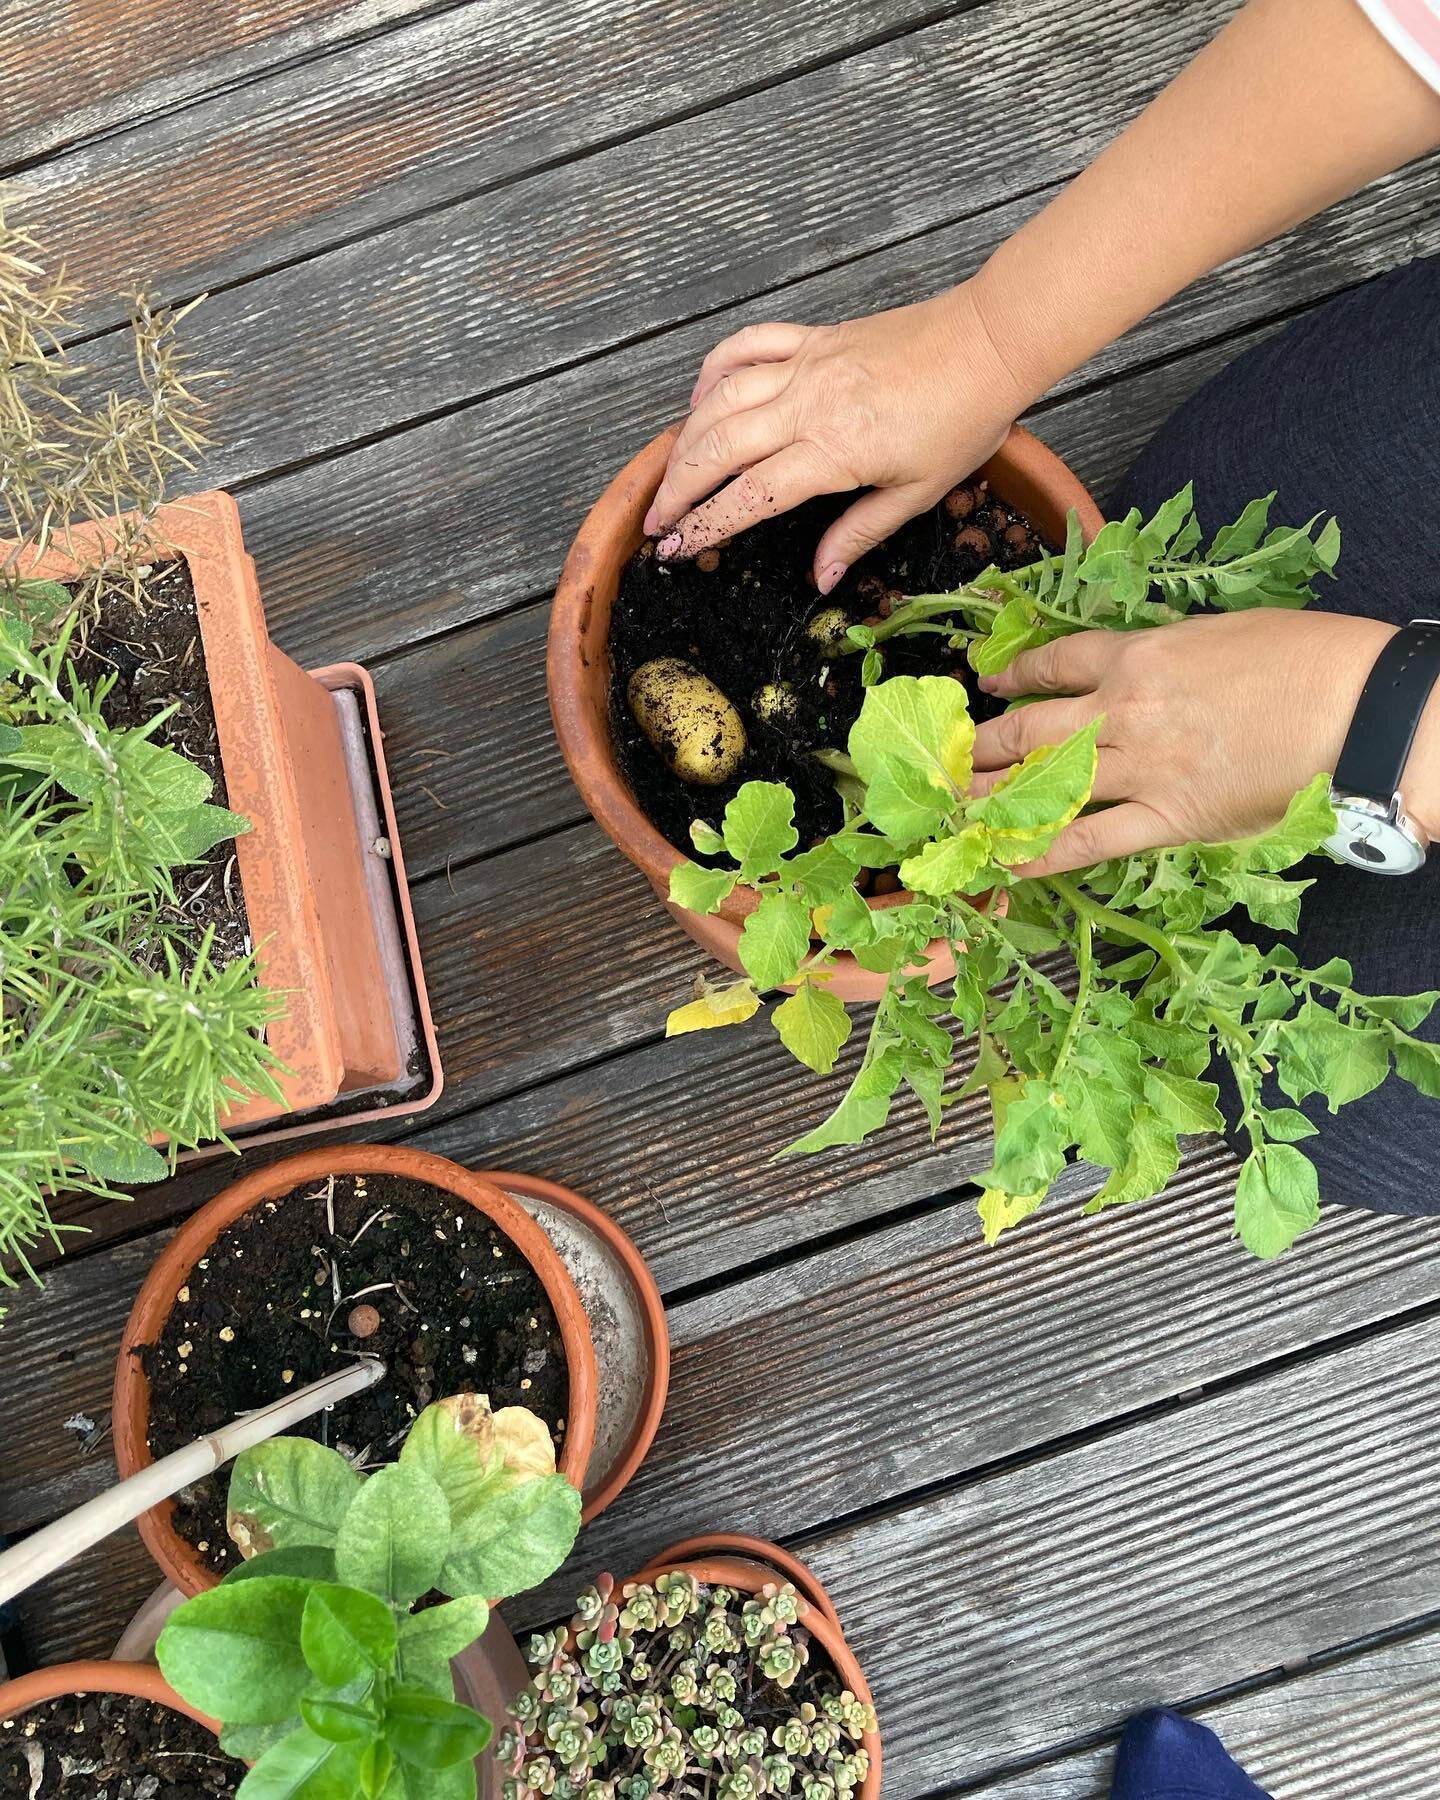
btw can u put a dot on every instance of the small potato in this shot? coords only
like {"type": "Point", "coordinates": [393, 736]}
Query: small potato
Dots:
{"type": "Point", "coordinates": [688, 720]}
{"type": "Point", "coordinates": [775, 703]}
{"type": "Point", "coordinates": [826, 629]}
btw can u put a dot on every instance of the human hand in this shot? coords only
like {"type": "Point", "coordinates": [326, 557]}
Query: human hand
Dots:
{"type": "Point", "coordinates": [1210, 725]}
{"type": "Point", "coordinates": [905, 403]}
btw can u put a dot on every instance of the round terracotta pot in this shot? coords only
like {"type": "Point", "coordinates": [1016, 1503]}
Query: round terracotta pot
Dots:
{"type": "Point", "coordinates": [747, 1564]}
{"type": "Point", "coordinates": [142, 1681]}
{"type": "Point", "coordinates": [153, 1304]}
{"type": "Point", "coordinates": [1023, 473]}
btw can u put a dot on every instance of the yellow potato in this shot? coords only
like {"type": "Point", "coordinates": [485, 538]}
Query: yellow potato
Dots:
{"type": "Point", "coordinates": [688, 720]}
{"type": "Point", "coordinates": [826, 629]}
{"type": "Point", "coordinates": [775, 703]}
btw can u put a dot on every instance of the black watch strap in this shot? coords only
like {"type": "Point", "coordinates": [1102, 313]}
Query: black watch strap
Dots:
{"type": "Point", "coordinates": [1388, 713]}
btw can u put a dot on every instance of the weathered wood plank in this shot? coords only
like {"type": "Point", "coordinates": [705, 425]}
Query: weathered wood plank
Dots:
{"type": "Point", "coordinates": [434, 111]}
{"type": "Point", "coordinates": [68, 73]}
{"type": "Point", "coordinates": [570, 262]}
{"type": "Point", "coordinates": [916, 1355]}
{"type": "Point", "coordinates": [1361, 1728]}
{"type": "Point", "coordinates": [1169, 1559]}
{"type": "Point", "coordinates": [472, 513]}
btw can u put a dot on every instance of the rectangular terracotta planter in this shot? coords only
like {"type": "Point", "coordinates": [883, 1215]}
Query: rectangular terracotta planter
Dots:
{"type": "Point", "coordinates": [302, 865]}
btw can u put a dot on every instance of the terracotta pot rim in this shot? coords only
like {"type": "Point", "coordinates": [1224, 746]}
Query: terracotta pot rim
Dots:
{"type": "Point", "coordinates": [760, 1550]}
{"type": "Point", "coordinates": [657, 1331]}
{"type": "Point", "coordinates": [750, 1573]}
{"type": "Point", "coordinates": [156, 1299]}
{"type": "Point", "coordinates": [141, 1681]}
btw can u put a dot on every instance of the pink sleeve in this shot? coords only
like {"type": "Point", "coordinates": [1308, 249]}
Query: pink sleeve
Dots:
{"type": "Point", "coordinates": [1413, 28]}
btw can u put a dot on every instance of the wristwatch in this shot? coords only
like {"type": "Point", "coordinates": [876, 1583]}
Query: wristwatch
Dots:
{"type": "Point", "coordinates": [1372, 829]}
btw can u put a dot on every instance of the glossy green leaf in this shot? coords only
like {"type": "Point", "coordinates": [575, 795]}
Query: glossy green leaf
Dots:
{"type": "Point", "coordinates": [515, 1542]}
{"type": "Point", "coordinates": [304, 1766]}
{"type": "Point", "coordinates": [235, 1651]}
{"type": "Point", "coordinates": [346, 1634]}
{"type": "Point", "coordinates": [424, 1729]}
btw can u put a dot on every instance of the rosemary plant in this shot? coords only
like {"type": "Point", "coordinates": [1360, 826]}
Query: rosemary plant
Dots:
{"type": "Point", "coordinates": [118, 1026]}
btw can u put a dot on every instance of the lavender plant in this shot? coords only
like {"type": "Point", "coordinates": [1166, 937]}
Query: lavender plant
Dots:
{"type": "Point", "coordinates": [698, 1692]}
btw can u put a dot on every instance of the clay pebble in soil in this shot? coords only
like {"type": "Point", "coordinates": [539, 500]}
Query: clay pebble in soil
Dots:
{"type": "Point", "coordinates": [111, 1747]}
{"type": "Point", "coordinates": [153, 650]}
{"type": "Point", "coordinates": [739, 615]}
{"type": "Point", "coordinates": [270, 1308]}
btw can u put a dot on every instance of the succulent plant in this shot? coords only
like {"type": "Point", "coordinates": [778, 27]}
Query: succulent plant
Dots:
{"type": "Point", "coordinates": [678, 1689]}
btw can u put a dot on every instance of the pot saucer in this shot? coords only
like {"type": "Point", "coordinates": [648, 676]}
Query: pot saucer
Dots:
{"type": "Point", "coordinates": [627, 1324]}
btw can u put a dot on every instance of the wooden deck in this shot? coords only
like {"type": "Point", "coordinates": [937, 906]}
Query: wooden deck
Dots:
{"type": "Point", "coordinates": [463, 256]}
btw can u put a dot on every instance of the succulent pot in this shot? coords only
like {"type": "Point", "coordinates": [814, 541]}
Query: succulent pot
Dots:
{"type": "Point", "coordinates": [142, 1681]}
{"type": "Point", "coordinates": [309, 894]}
{"type": "Point", "coordinates": [180, 1562]}
{"type": "Point", "coordinates": [746, 1564]}
{"type": "Point", "coordinates": [1023, 473]}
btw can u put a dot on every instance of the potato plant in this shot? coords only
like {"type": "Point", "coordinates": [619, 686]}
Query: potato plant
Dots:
{"type": "Point", "coordinates": [1111, 1062]}
{"type": "Point", "coordinates": [312, 1652]}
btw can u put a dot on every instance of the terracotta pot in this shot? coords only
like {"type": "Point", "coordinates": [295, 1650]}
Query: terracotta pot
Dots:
{"type": "Point", "coordinates": [746, 1563]}
{"type": "Point", "coordinates": [153, 1304]}
{"type": "Point", "coordinates": [1023, 473]}
{"type": "Point", "coordinates": [139, 1680]}
{"type": "Point", "coordinates": [301, 867]}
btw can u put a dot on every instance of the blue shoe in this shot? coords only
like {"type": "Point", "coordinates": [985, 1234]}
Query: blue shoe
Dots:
{"type": "Point", "coordinates": [1163, 1756]}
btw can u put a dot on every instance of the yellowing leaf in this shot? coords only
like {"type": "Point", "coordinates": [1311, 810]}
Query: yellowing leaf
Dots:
{"type": "Point", "coordinates": [947, 865]}
{"type": "Point", "coordinates": [999, 1211]}
{"type": "Point", "coordinates": [722, 1006]}
{"type": "Point", "coordinates": [1034, 803]}
{"type": "Point", "coordinates": [524, 1443]}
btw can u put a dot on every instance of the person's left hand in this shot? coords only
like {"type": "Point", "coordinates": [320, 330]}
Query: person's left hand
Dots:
{"type": "Point", "coordinates": [1210, 725]}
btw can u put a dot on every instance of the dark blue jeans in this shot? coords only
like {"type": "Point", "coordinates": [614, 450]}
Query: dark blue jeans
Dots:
{"type": "Point", "coordinates": [1340, 413]}
{"type": "Point", "coordinates": [1165, 1757]}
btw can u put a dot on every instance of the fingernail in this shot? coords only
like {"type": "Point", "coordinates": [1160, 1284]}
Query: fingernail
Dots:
{"type": "Point", "coordinates": [668, 546]}
{"type": "Point", "coordinates": [830, 577]}
{"type": "Point", "coordinates": [652, 519]}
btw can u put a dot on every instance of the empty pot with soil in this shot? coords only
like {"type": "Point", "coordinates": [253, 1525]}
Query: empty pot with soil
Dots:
{"type": "Point", "coordinates": [673, 683]}
{"type": "Point", "coordinates": [117, 1729]}
{"type": "Point", "coordinates": [299, 1266]}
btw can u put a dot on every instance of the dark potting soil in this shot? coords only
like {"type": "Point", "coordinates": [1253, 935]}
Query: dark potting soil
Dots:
{"type": "Point", "coordinates": [154, 650]}
{"type": "Point", "coordinates": [111, 1747]}
{"type": "Point", "coordinates": [270, 1309]}
{"type": "Point", "coordinates": [739, 613]}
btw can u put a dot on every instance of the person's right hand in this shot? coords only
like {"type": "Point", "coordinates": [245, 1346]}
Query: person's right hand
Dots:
{"type": "Point", "coordinates": [905, 403]}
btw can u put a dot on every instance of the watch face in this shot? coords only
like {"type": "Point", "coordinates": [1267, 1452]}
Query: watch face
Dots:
{"type": "Point", "coordinates": [1371, 841]}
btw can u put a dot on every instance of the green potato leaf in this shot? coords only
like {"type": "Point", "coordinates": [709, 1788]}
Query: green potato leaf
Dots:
{"type": "Point", "coordinates": [759, 828]}
{"type": "Point", "coordinates": [813, 1026]}
{"type": "Point", "coordinates": [1276, 1198]}
{"type": "Point", "coordinates": [775, 939]}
